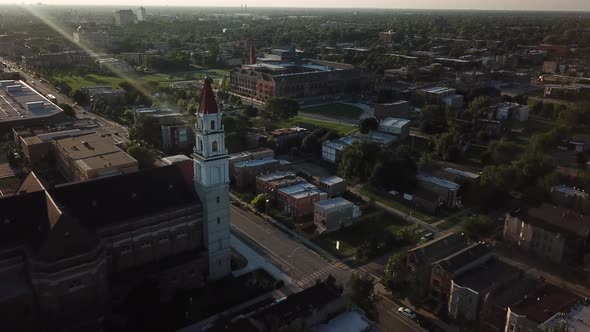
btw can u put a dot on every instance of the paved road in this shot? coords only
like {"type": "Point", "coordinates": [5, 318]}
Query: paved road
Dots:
{"type": "Point", "coordinates": [305, 266]}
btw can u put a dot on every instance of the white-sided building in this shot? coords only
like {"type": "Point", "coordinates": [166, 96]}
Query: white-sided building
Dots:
{"type": "Point", "coordinates": [395, 126]}
{"type": "Point", "coordinates": [334, 214]}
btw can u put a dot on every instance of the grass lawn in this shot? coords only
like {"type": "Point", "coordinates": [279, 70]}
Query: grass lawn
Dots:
{"type": "Point", "coordinates": [310, 124]}
{"type": "Point", "coordinates": [76, 82]}
{"type": "Point", "coordinates": [335, 109]}
{"type": "Point", "coordinates": [391, 202]}
{"type": "Point", "coordinates": [151, 81]}
{"type": "Point", "coordinates": [353, 237]}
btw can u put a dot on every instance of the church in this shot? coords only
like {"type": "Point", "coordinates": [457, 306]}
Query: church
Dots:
{"type": "Point", "coordinates": [68, 252]}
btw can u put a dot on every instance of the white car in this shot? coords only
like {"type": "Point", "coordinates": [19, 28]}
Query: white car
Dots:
{"type": "Point", "coordinates": [407, 312]}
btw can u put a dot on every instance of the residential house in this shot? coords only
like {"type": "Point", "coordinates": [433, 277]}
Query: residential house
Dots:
{"type": "Point", "coordinates": [334, 186]}
{"type": "Point", "coordinates": [469, 289]}
{"type": "Point", "coordinates": [570, 198]}
{"type": "Point", "coordinates": [549, 231]}
{"type": "Point", "coordinates": [286, 138]}
{"type": "Point", "coordinates": [395, 126]}
{"type": "Point", "coordinates": [494, 305]}
{"type": "Point", "coordinates": [537, 313]}
{"type": "Point", "coordinates": [399, 109]}
{"type": "Point", "coordinates": [420, 259]}
{"type": "Point", "coordinates": [269, 184]}
{"type": "Point", "coordinates": [334, 214]}
{"type": "Point", "coordinates": [332, 150]}
{"type": "Point", "coordinates": [509, 111]}
{"type": "Point", "coordinates": [261, 153]}
{"type": "Point", "coordinates": [305, 309]}
{"type": "Point", "coordinates": [447, 190]}
{"type": "Point", "coordinates": [452, 266]}
{"type": "Point", "coordinates": [245, 172]}
{"type": "Point", "coordinates": [298, 200]}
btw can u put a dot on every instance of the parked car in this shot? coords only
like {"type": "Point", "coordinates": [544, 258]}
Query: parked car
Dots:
{"type": "Point", "coordinates": [427, 237]}
{"type": "Point", "coordinates": [407, 312]}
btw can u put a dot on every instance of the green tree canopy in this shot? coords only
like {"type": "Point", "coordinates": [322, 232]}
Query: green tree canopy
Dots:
{"type": "Point", "coordinates": [368, 124]}
{"type": "Point", "coordinates": [362, 294]}
{"type": "Point", "coordinates": [282, 108]}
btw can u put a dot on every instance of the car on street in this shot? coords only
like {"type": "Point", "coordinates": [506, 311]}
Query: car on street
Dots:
{"type": "Point", "coordinates": [407, 312]}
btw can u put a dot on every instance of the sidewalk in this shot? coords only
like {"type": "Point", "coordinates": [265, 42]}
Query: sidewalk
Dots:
{"type": "Point", "coordinates": [256, 261]}
{"type": "Point", "coordinates": [293, 234]}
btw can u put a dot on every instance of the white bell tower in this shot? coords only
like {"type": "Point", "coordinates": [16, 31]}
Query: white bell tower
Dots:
{"type": "Point", "coordinates": [212, 182]}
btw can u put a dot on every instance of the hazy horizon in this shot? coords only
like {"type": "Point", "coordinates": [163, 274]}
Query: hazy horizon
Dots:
{"type": "Point", "coordinates": [531, 5]}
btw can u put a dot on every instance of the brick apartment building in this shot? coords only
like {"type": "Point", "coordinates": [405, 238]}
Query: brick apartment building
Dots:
{"type": "Point", "coordinates": [548, 231]}
{"type": "Point", "coordinates": [298, 200]}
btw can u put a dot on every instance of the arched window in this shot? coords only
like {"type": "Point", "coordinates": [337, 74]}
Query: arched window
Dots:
{"type": "Point", "coordinates": [214, 146]}
{"type": "Point", "coordinates": [212, 124]}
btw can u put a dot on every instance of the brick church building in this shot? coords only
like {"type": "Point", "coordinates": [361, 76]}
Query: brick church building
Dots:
{"type": "Point", "coordinates": [66, 253]}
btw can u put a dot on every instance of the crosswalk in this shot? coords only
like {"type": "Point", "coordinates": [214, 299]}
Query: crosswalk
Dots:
{"type": "Point", "coordinates": [320, 274]}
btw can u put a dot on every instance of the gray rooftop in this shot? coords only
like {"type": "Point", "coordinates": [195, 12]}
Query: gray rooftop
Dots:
{"type": "Point", "coordinates": [18, 101]}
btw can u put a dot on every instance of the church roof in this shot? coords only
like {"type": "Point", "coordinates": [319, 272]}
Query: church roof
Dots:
{"type": "Point", "coordinates": [208, 104]}
{"type": "Point", "coordinates": [108, 200]}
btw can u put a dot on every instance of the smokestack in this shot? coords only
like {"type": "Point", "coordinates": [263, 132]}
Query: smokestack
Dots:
{"type": "Point", "coordinates": [252, 54]}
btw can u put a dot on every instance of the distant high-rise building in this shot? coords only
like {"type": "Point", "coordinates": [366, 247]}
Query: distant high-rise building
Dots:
{"type": "Point", "coordinates": [124, 17]}
{"type": "Point", "coordinates": [141, 16]}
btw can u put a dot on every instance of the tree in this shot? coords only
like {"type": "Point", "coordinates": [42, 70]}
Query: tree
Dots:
{"type": "Point", "coordinates": [143, 155]}
{"type": "Point", "coordinates": [259, 203]}
{"type": "Point", "coordinates": [358, 160]}
{"type": "Point", "coordinates": [478, 104]}
{"type": "Point", "coordinates": [282, 108]}
{"type": "Point", "coordinates": [362, 294]}
{"type": "Point", "coordinates": [79, 97]}
{"type": "Point", "coordinates": [432, 119]}
{"type": "Point", "coordinates": [68, 109]}
{"type": "Point", "coordinates": [251, 111]}
{"type": "Point", "coordinates": [397, 280]}
{"type": "Point", "coordinates": [147, 129]}
{"type": "Point", "coordinates": [181, 103]}
{"type": "Point", "coordinates": [446, 144]}
{"type": "Point", "coordinates": [581, 158]}
{"type": "Point", "coordinates": [368, 124]}
{"type": "Point", "coordinates": [312, 144]}
{"type": "Point", "coordinates": [478, 227]}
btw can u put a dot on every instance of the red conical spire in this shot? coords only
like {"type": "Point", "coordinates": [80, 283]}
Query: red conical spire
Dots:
{"type": "Point", "coordinates": [208, 104]}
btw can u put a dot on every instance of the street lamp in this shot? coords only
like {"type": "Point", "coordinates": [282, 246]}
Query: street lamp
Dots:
{"type": "Point", "coordinates": [267, 200]}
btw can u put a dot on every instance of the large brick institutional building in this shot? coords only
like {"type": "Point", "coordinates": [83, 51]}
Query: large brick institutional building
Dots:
{"type": "Point", "coordinates": [301, 79]}
{"type": "Point", "coordinates": [67, 252]}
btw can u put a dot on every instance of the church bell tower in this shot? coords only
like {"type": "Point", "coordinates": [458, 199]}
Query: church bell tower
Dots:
{"type": "Point", "coordinates": [212, 182]}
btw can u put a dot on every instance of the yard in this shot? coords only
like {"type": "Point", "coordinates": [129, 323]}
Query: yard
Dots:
{"type": "Point", "coordinates": [400, 206]}
{"type": "Point", "coordinates": [341, 129]}
{"type": "Point", "coordinates": [336, 110]}
{"type": "Point", "coordinates": [378, 227]}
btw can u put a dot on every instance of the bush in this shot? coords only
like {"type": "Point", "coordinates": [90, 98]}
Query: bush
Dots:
{"type": "Point", "coordinates": [259, 203]}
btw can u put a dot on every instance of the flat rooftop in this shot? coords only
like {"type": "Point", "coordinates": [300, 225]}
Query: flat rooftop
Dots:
{"type": "Point", "coordinates": [255, 162]}
{"type": "Point", "coordinates": [349, 321]}
{"type": "Point", "coordinates": [334, 202]}
{"type": "Point", "coordinates": [439, 90]}
{"type": "Point", "coordinates": [332, 180]}
{"type": "Point", "coordinates": [93, 152]}
{"type": "Point", "coordinates": [275, 176]}
{"type": "Point", "coordinates": [569, 191]}
{"type": "Point", "coordinates": [300, 190]}
{"type": "Point", "coordinates": [18, 101]}
{"type": "Point", "coordinates": [464, 174]}
{"type": "Point", "coordinates": [438, 181]}
{"type": "Point", "coordinates": [394, 122]}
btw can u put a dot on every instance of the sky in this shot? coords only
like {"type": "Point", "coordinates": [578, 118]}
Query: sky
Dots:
{"type": "Point", "coordinates": [574, 5]}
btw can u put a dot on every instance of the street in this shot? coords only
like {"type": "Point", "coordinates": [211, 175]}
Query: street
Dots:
{"type": "Point", "coordinates": [305, 266]}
